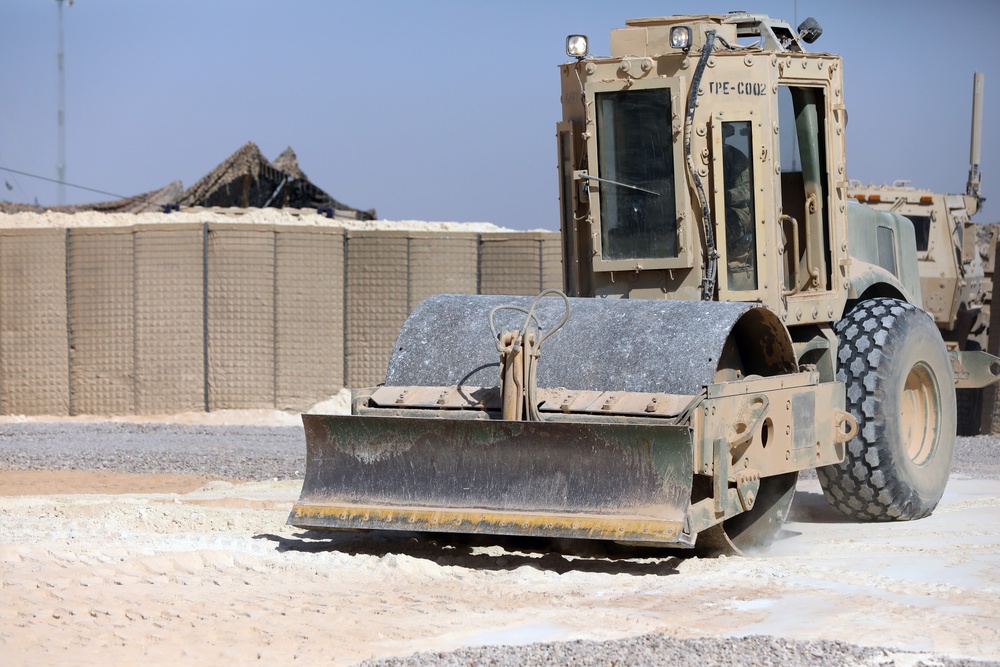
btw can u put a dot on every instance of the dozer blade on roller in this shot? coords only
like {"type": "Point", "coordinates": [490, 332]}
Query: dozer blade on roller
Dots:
{"type": "Point", "coordinates": [612, 481]}
{"type": "Point", "coordinates": [640, 422]}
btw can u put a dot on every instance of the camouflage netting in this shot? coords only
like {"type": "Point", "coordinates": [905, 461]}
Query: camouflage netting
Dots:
{"type": "Point", "coordinates": [154, 200]}
{"type": "Point", "coordinates": [245, 179]}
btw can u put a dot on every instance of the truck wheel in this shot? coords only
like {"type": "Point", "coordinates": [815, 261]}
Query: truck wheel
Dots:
{"type": "Point", "coordinates": [900, 388]}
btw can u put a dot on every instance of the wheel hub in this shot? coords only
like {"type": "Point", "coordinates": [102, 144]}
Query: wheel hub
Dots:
{"type": "Point", "coordinates": [920, 407]}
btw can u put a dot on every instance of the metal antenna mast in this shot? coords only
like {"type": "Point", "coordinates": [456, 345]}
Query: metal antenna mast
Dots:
{"type": "Point", "coordinates": [795, 135]}
{"type": "Point", "coordinates": [61, 163]}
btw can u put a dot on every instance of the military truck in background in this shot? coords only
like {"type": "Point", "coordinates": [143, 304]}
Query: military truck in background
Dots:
{"type": "Point", "coordinates": [955, 259]}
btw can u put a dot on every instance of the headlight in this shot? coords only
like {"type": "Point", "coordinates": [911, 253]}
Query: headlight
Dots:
{"type": "Point", "coordinates": [576, 46]}
{"type": "Point", "coordinates": [680, 37]}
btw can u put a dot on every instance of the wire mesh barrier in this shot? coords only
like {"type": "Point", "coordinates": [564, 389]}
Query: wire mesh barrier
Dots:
{"type": "Point", "coordinates": [169, 318]}
{"type": "Point", "coordinates": [309, 316]}
{"type": "Point", "coordinates": [441, 264]}
{"type": "Point", "coordinates": [163, 318]}
{"type": "Point", "coordinates": [376, 302]}
{"type": "Point", "coordinates": [34, 333]}
{"type": "Point", "coordinates": [239, 296]}
{"type": "Point", "coordinates": [513, 264]}
{"type": "Point", "coordinates": [101, 305]}
{"type": "Point", "coordinates": [551, 259]}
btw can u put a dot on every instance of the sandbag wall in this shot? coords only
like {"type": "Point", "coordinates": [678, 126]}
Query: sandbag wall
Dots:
{"type": "Point", "coordinates": [165, 318]}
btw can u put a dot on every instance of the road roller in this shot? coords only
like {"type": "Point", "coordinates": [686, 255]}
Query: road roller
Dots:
{"type": "Point", "coordinates": [729, 317]}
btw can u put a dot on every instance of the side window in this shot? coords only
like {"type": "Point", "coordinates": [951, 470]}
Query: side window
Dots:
{"type": "Point", "coordinates": [741, 240]}
{"type": "Point", "coordinates": [791, 163]}
{"type": "Point", "coordinates": [886, 249]}
{"type": "Point", "coordinates": [922, 228]}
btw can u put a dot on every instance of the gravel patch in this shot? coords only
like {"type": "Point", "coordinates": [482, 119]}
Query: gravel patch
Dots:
{"type": "Point", "coordinates": [655, 650]}
{"type": "Point", "coordinates": [251, 453]}
{"type": "Point", "coordinates": [977, 457]}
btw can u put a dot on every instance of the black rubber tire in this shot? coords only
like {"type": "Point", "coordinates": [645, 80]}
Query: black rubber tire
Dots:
{"type": "Point", "coordinates": [970, 404]}
{"type": "Point", "coordinates": [970, 411]}
{"type": "Point", "coordinates": [900, 389]}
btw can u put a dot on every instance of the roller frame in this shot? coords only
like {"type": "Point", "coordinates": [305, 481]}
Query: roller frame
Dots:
{"type": "Point", "coordinates": [636, 432]}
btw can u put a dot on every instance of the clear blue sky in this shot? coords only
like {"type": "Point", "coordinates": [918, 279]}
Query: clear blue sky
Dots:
{"type": "Point", "coordinates": [432, 110]}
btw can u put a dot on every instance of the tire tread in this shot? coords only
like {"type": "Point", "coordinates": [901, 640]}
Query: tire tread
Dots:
{"type": "Point", "coordinates": [864, 486]}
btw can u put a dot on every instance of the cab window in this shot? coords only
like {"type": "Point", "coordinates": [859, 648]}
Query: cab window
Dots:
{"type": "Point", "coordinates": [741, 240]}
{"type": "Point", "coordinates": [636, 167]}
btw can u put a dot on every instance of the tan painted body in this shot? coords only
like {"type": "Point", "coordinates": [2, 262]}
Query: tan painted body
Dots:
{"type": "Point", "coordinates": [750, 86]}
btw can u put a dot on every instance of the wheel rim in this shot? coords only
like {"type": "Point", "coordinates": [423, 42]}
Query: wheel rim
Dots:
{"type": "Point", "coordinates": [921, 407]}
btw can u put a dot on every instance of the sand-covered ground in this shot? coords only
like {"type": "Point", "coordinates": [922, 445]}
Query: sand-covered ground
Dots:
{"type": "Point", "coordinates": [102, 565]}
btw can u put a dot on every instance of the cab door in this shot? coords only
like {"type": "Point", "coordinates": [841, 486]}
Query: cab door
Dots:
{"type": "Point", "coordinates": [804, 192]}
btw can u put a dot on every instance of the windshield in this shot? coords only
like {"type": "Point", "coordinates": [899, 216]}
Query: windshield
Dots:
{"type": "Point", "coordinates": [636, 154]}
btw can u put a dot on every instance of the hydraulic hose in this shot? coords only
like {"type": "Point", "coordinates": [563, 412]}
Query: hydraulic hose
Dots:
{"type": "Point", "coordinates": [711, 254]}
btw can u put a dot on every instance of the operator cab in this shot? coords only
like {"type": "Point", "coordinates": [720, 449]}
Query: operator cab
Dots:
{"type": "Point", "coordinates": [696, 161]}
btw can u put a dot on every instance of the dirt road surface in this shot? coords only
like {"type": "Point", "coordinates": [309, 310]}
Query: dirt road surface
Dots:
{"type": "Point", "coordinates": [101, 566]}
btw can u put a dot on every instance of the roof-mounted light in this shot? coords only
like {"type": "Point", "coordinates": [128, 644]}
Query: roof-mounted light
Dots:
{"type": "Point", "coordinates": [576, 46]}
{"type": "Point", "coordinates": [680, 37]}
{"type": "Point", "coordinates": [810, 30]}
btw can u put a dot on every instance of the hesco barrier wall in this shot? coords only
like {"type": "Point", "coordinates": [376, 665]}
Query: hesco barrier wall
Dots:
{"type": "Point", "coordinates": [163, 318]}
{"type": "Point", "coordinates": [34, 330]}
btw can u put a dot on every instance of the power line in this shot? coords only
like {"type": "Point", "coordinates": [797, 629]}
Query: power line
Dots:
{"type": "Point", "coordinates": [58, 182]}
